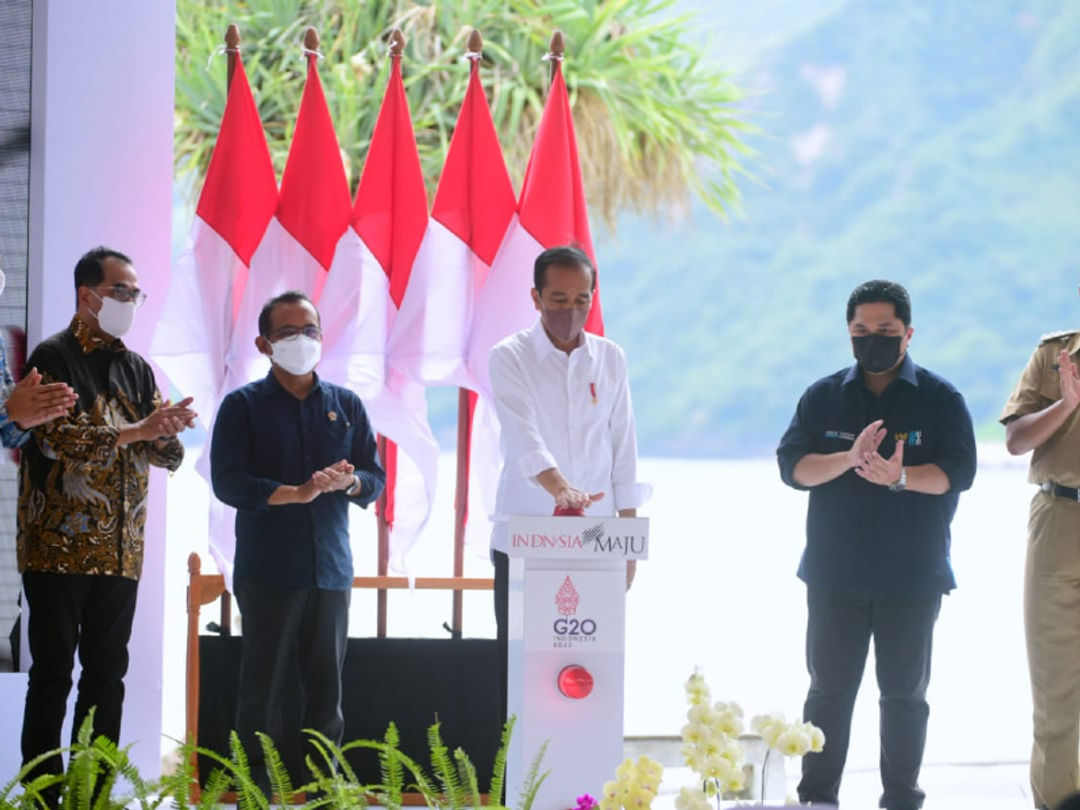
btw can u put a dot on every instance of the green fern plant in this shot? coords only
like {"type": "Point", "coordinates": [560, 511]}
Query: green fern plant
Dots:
{"type": "Point", "coordinates": [533, 780]}
{"type": "Point", "coordinates": [96, 765]}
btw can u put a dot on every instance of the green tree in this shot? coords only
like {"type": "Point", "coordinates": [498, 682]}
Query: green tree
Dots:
{"type": "Point", "coordinates": [656, 124]}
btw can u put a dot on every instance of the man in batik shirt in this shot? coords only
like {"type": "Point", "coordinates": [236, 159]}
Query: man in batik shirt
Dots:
{"type": "Point", "coordinates": [82, 506]}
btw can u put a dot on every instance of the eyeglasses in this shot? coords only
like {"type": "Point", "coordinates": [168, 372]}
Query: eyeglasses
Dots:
{"type": "Point", "coordinates": [125, 294]}
{"type": "Point", "coordinates": [285, 332]}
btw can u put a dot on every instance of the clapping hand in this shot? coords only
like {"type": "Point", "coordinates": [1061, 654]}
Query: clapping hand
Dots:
{"type": "Point", "coordinates": [31, 403]}
{"type": "Point", "coordinates": [1070, 381]}
{"type": "Point", "coordinates": [168, 419]}
{"type": "Point", "coordinates": [338, 475]}
{"type": "Point", "coordinates": [879, 470]}
{"type": "Point", "coordinates": [866, 443]}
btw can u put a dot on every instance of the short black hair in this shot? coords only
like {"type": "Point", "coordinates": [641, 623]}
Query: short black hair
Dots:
{"type": "Point", "coordinates": [90, 269]}
{"type": "Point", "coordinates": [290, 297]}
{"type": "Point", "coordinates": [562, 256]}
{"type": "Point", "coordinates": [880, 291]}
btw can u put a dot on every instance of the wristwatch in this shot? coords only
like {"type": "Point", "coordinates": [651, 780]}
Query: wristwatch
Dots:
{"type": "Point", "coordinates": [900, 484]}
{"type": "Point", "coordinates": [355, 488]}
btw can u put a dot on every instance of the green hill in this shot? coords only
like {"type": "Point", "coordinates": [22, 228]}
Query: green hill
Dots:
{"type": "Point", "coordinates": [931, 143]}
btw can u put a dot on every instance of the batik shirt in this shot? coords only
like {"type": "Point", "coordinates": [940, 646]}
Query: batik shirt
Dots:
{"type": "Point", "coordinates": [82, 498]}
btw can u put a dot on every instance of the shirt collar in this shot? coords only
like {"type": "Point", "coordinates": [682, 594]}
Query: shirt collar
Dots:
{"type": "Point", "coordinates": [907, 372]}
{"type": "Point", "coordinates": [89, 342]}
{"type": "Point", "coordinates": [275, 387]}
{"type": "Point", "coordinates": [542, 344]}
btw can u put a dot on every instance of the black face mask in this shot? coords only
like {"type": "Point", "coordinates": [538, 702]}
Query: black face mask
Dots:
{"type": "Point", "coordinates": [876, 353]}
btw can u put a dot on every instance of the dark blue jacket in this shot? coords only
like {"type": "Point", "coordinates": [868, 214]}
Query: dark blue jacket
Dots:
{"type": "Point", "coordinates": [265, 437]}
{"type": "Point", "coordinates": [860, 536]}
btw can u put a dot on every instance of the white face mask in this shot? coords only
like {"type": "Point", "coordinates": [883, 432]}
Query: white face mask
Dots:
{"type": "Point", "coordinates": [297, 355]}
{"type": "Point", "coordinates": [115, 317]}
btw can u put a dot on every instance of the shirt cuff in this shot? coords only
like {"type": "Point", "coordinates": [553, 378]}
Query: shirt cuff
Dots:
{"type": "Point", "coordinates": [631, 496]}
{"type": "Point", "coordinates": [534, 463]}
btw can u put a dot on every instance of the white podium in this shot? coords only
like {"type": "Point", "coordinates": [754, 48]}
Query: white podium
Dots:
{"type": "Point", "coordinates": [566, 634]}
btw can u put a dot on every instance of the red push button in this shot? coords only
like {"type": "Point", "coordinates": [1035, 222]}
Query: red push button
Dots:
{"type": "Point", "coordinates": [575, 682]}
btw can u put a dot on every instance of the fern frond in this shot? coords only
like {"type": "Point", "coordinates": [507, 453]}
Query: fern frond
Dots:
{"type": "Point", "coordinates": [498, 768]}
{"type": "Point", "coordinates": [444, 768]}
{"type": "Point", "coordinates": [280, 783]}
{"type": "Point", "coordinates": [248, 794]}
{"type": "Point", "coordinates": [391, 769]}
{"type": "Point", "coordinates": [212, 792]}
{"type": "Point", "coordinates": [532, 781]}
{"type": "Point", "coordinates": [421, 782]}
{"type": "Point", "coordinates": [467, 775]}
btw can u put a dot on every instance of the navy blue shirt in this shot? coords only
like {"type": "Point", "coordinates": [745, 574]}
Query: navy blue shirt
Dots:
{"type": "Point", "coordinates": [265, 437]}
{"type": "Point", "coordinates": [860, 536]}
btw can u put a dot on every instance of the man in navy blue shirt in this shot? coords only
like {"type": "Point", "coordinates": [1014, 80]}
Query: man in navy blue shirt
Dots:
{"type": "Point", "coordinates": [290, 452]}
{"type": "Point", "coordinates": [884, 447]}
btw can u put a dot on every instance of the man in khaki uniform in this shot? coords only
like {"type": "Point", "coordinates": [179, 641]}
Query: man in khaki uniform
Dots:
{"type": "Point", "coordinates": [1041, 415]}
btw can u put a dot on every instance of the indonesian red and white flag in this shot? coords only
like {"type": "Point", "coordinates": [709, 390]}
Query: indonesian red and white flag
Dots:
{"type": "Point", "coordinates": [551, 212]}
{"type": "Point", "coordinates": [236, 204]}
{"type": "Point", "coordinates": [196, 326]}
{"type": "Point", "coordinates": [301, 246]}
{"type": "Point", "coordinates": [473, 207]}
{"type": "Point", "coordinates": [310, 247]}
{"type": "Point", "coordinates": [391, 215]}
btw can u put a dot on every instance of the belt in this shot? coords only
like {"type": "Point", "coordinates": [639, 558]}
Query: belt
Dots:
{"type": "Point", "coordinates": [1068, 493]}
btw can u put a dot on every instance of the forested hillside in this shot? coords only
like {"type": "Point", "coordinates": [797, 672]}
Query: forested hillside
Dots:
{"type": "Point", "coordinates": [937, 144]}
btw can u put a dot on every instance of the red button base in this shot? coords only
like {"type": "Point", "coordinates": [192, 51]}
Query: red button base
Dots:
{"type": "Point", "coordinates": [575, 682]}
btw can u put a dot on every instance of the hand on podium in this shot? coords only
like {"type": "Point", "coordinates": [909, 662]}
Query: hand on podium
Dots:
{"type": "Point", "coordinates": [567, 511]}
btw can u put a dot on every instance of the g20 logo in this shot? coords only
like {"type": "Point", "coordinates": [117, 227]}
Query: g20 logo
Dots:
{"type": "Point", "coordinates": [575, 627]}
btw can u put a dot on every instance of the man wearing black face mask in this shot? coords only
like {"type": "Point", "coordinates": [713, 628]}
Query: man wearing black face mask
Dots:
{"type": "Point", "coordinates": [884, 447]}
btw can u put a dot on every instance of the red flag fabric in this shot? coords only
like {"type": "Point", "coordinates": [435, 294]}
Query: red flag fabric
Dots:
{"type": "Point", "coordinates": [475, 199]}
{"type": "Point", "coordinates": [313, 215]}
{"type": "Point", "coordinates": [240, 192]}
{"type": "Point", "coordinates": [195, 329]}
{"type": "Point", "coordinates": [315, 203]}
{"type": "Point", "coordinates": [473, 206]}
{"type": "Point", "coordinates": [552, 205]}
{"type": "Point", "coordinates": [390, 216]}
{"type": "Point", "coordinates": [551, 212]}
{"type": "Point", "coordinates": [390, 212]}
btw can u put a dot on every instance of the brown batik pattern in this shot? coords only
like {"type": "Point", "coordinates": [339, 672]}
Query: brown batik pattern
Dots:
{"type": "Point", "coordinates": [87, 513]}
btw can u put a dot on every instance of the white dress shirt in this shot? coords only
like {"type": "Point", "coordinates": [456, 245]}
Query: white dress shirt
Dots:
{"type": "Point", "coordinates": [569, 411]}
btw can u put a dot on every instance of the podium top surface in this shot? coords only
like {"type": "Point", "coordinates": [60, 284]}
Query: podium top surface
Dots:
{"type": "Point", "coordinates": [597, 537]}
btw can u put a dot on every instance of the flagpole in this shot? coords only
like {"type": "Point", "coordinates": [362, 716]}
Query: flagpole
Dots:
{"type": "Point", "coordinates": [192, 680]}
{"type": "Point", "coordinates": [232, 49]}
{"type": "Point", "coordinates": [397, 46]}
{"type": "Point", "coordinates": [466, 401]}
{"type": "Point", "coordinates": [556, 49]}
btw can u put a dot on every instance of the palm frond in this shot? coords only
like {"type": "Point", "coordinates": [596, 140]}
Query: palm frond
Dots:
{"type": "Point", "coordinates": [657, 124]}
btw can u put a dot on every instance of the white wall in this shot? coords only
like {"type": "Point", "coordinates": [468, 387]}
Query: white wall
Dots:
{"type": "Point", "coordinates": [101, 173]}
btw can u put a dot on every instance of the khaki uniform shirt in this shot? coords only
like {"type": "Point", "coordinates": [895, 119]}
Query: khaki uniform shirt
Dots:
{"type": "Point", "coordinates": [1058, 458]}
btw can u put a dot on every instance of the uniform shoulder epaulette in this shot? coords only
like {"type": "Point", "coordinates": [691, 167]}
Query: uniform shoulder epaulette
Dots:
{"type": "Point", "coordinates": [1063, 335]}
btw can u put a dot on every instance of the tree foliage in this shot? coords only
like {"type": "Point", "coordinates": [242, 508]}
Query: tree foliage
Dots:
{"type": "Point", "coordinates": [656, 125]}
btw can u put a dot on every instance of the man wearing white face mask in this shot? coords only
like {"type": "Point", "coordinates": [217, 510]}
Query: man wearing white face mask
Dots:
{"type": "Point", "coordinates": [567, 426]}
{"type": "Point", "coordinates": [82, 505]}
{"type": "Point", "coordinates": [290, 452]}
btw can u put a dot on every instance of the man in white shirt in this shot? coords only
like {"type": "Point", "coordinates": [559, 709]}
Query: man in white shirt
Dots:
{"type": "Point", "coordinates": [567, 427]}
